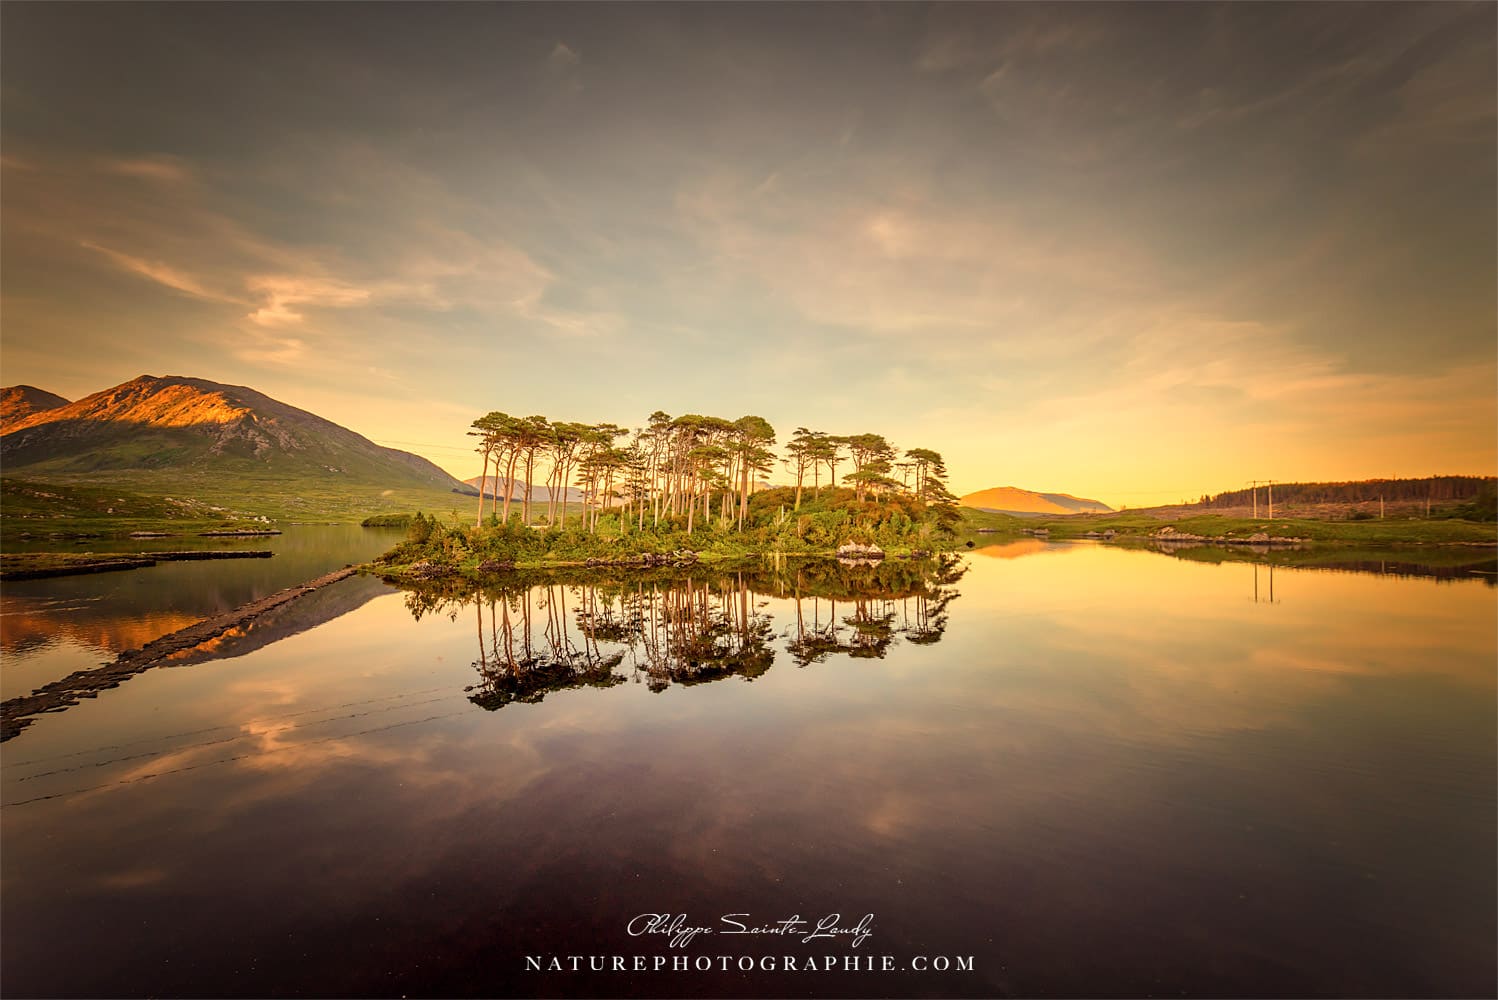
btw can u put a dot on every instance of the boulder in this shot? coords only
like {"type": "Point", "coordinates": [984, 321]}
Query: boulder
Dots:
{"type": "Point", "coordinates": [852, 550]}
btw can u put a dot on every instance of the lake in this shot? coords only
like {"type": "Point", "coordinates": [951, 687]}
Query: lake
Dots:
{"type": "Point", "coordinates": [1052, 768]}
{"type": "Point", "coordinates": [57, 625]}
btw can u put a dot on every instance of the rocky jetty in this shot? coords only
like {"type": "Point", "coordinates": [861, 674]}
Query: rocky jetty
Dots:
{"type": "Point", "coordinates": [17, 713]}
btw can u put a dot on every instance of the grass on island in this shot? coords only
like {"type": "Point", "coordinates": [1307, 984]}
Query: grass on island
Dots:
{"type": "Point", "coordinates": [896, 523]}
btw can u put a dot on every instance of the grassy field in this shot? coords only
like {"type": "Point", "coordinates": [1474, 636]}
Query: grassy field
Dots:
{"type": "Point", "coordinates": [1140, 524]}
{"type": "Point", "coordinates": [81, 506]}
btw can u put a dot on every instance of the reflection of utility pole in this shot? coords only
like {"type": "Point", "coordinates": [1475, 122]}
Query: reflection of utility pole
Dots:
{"type": "Point", "coordinates": [1271, 584]}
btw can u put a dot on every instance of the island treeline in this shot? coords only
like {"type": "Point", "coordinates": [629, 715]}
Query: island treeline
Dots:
{"type": "Point", "coordinates": [691, 481]}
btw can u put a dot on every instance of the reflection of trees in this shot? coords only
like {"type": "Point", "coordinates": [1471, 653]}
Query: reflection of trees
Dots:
{"type": "Point", "coordinates": [881, 604]}
{"type": "Point", "coordinates": [540, 632]}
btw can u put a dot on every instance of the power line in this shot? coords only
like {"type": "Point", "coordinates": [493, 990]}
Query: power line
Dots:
{"type": "Point", "coordinates": [421, 444]}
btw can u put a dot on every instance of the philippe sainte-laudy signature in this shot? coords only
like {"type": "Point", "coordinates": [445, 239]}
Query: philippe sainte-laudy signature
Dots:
{"type": "Point", "coordinates": [681, 929]}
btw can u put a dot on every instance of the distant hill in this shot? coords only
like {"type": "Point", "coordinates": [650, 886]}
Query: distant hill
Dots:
{"type": "Point", "coordinates": [539, 494]}
{"type": "Point", "coordinates": [17, 402]}
{"type": "Point", "coordinates": [1013, 500]}
{"type": "Point", "coordinates": [177, 423]}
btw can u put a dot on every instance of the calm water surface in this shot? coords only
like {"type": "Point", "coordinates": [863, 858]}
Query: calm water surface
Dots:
{"type": "Point", "coordinates": [52, 627]}
{"type": "Point", "coordinates": [1090, 770]}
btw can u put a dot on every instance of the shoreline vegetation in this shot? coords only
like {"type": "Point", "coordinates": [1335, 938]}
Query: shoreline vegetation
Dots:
{"type": "Point", "coordinates": [433, 549]}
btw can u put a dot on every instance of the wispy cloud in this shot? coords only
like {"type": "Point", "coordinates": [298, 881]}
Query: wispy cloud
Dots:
{"type": "Point", "coordinates": [158, 272]}
{"type": "Point", "coordinates": [167, 169]}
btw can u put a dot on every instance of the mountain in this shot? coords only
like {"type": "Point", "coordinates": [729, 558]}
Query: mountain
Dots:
{"type": "Point", "coordinates": [1013, 500]}
{"type": "Point", "coordinates": [17, 402]}
{"type": "Point", "coordinates": [539, 493]}
{"type": "Point", "coordinates": [176, 423]}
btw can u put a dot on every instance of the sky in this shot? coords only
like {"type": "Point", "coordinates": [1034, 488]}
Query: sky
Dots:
{"type": "Point", "coordinates": [1134, 253]}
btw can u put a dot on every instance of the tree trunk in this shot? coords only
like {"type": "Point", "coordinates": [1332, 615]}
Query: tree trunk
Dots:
{"type": "Point", "coordinates": [483, 480]}
{"type": "Point", "coordinates": [530, 476]}
{"type": "Point", "coordinates": [510, 482]}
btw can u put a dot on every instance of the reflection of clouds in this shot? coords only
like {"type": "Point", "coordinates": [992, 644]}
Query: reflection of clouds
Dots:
{"type": "Point", "coordinates": [1098, 740]}
{"type": "Point", "coordinates": [133, 878]}
{"type": "Point", "coordinates": [1014, 550]}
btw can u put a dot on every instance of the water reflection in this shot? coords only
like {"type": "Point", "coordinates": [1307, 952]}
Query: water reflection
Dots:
{"type": "Point", "coordinates": [51, 627]}
{"type": "Point", "coordinates": [1114, 769]}
{"type": "Point", "coordinates": [541, 633]}
{"type": "Point", "coordinates": [1268, 597]}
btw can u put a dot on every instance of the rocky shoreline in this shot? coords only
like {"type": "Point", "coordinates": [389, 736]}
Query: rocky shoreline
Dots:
{"type": "Point", "coordinates": [1171, 536]}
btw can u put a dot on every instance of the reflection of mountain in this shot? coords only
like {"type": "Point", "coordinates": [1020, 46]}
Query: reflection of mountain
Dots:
{"type": "Point", "coordinates": [546, 632]}
{"type": "Point", "coordinates": [316, 608]}
{"type": "Point", "coordinates": [1012, 550]}
{"type": "Point", "coordinates": [298, 615]}
{"type": "Point", "coordinates": [26, 627]}
{"type": "Point", "coordinates": [118, 611]}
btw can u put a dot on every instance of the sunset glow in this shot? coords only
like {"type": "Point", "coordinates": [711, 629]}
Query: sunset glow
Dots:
{"type": "Point", "coordinates": [1130, 253]}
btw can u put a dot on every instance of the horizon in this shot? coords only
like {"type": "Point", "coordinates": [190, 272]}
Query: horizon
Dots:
{"type": "Point", "coordinates": [1133, 255]}
{"type": "Point", "coordinates": [469, 477]}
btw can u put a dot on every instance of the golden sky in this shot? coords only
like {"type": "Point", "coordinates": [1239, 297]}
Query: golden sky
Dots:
{"type": "Point", "coordinates": [1136, 253]}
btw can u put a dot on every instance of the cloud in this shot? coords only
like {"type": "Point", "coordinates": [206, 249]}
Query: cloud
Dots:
{"type": "Point", "coordinates": [281, 292]}
{"type": "Point", "coordinates": [158, 272]}
{"type": "Point", "coordinates": [156, 168]}
{"type": "Point", "coordinates": [563, 57]}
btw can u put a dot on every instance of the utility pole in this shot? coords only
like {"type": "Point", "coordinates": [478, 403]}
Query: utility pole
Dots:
{"type": "Point", "coordinates": [1254, 486]}
{"type": "Point", "coordinates": [1380, 506]}
{"type": "Point", "coordinates": [1270, 485]}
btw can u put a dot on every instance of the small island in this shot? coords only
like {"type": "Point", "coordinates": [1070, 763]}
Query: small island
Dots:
{"type": "Point", "coordinates": [677, 491]}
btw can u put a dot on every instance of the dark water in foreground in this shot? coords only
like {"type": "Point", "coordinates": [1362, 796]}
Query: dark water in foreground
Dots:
{"type": "Point", "coordinates": [1087, 770]}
